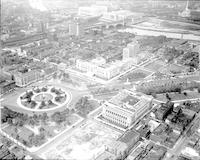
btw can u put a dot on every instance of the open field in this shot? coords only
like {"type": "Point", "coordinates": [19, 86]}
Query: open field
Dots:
{"type": "Point", "coordinates": [155, 66]}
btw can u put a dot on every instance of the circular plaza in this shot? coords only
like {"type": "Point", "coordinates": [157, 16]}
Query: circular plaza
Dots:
{"type": "Point", "coordinates": [44, 98]}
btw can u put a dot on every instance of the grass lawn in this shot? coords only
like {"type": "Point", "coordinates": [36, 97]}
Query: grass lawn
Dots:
{"type": "Point", "coordinates": [155, 66]}
{"type": "Point", "coordinates": [172, 68]}
{"type": "Point", "coordinates": [136, 75]}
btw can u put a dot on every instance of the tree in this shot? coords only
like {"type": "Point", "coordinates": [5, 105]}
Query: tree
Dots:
{"type": "Point", "coordinates": [185, 93]}
{"type": "Point", "coordinates": [178, 90]}
{"type": "Point", "coordinates": [58, 117]}
{"type": "Point", "coordinates": [9, 120]}
{"type": "Point", "coordinates": [198, 89]}
{"type": "Point", "coordinates": [18, 122]}
{"type": "Point", "coordinates": [33, 104]}
{"type": "Point", "coordinates": [31, 122]}
{"type": "Point", "coordinates": [50, 102]}
{"type": "Point", "coordinates": [42, 104]}
{"type": "Point", "coordinates": [44, 117]}
{"type": "Point", "coordinates": [53, 89]}
{"type": "Point", "coordinates": [41, 129]}
{"type": "Point", "coordinates": [44, 89]}
{"type": "Point", "coordinates": [72, 110]}
{"type": "Point", "coordinates": [66, 111]}
{"type": "Point", "coordinates": [83, 106]}
{"type": "Point", "coordinates": [58, 98]}
{"type": "Point", "coordinates": [168, 97]}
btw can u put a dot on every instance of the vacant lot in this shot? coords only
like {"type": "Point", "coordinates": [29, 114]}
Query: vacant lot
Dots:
{"type": "Point", "coordinates": [84, 143]}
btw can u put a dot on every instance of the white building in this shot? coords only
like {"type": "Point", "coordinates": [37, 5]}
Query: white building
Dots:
{"type": "Point", "coordinates": [24, 79]}
{"type": "Point", "coordinates": [131, 51]}
{"type": "Point", "coordinates": [125, 108]}
{"type": "Point", "coordinates": [99, 68]}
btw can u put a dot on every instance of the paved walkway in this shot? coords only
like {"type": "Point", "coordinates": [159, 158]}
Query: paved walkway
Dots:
{"type": "Point", "coordinates": [36, 109]}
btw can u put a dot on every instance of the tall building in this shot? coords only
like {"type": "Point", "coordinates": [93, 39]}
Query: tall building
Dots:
{"type": "Point", "coordinates": [131, 51]}
{"type": "Point", "coordinates": [76, 27]}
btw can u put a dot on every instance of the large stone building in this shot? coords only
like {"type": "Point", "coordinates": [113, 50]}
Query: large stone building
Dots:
{"type": "Point", "coordinates": [99, 68]}
{"type": "Point", "coordinates": [126, 107]}
{"type": "Point", "coordinates": [24, 78]}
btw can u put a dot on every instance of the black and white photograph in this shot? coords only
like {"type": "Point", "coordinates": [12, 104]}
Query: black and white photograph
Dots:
{"type": "Point", "coordinates": [100, 80]}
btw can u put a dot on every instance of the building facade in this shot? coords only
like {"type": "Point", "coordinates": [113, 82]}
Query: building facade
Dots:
{"type": "Point", "coordinates": [24, 79]}
{"type": "Point", "coordinates": [6, 86]}
{"type": "Point", "coordinates": [104, 71]}
{"type": "Point", "coordinates": [126, 107]}
{"type": "Point", "coordinates": [131, 50]}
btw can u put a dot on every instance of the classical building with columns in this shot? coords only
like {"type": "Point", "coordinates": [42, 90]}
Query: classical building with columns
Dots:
{"type": "Point", "coordinates": [126, 107]}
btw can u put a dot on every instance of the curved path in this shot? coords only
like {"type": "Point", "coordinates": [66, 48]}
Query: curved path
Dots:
{"type": "Point", "coordinates": [36, 109]}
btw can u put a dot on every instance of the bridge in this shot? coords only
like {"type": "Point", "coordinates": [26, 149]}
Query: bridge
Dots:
{"type": "Point", "coordinates": [108, 25]}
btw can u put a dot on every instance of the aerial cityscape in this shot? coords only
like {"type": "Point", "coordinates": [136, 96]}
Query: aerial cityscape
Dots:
{"type": "Point", "coordinates": [100, 80]}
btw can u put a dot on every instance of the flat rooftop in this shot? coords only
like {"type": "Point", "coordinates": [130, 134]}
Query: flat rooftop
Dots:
{"type": "Point", "coordinates": [128, 101]}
